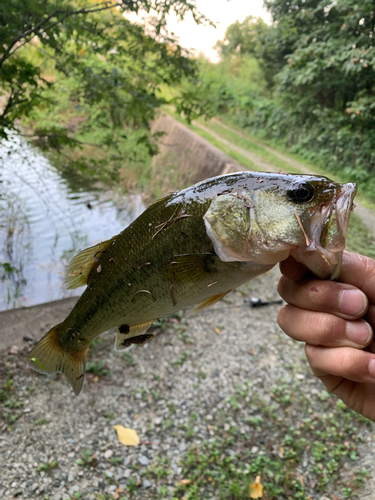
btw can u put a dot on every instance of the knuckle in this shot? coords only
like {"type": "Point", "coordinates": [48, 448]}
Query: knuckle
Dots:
{"type": "Point", "coordinates": [330, 328]}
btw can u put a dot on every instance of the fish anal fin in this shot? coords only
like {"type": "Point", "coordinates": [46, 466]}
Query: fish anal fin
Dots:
{"type": "Point", "coordinates": [191, 267]}
{"type": "Point", "coordinates": [132, 334]}
{"type": "Point", "coordinates": [49, 357]}
{"type": "Point", "coordinates": [82, 264]}
{"type": "Point", "coordinates": [208, 302]}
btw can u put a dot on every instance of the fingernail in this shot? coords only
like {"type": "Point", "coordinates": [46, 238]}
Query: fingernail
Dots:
{"type": "Point", "coordinates": [371, 368]}
{"type": "Point", "coordinates": [358, 332]}
{"type": "Point", "coordinates": [353, 302]}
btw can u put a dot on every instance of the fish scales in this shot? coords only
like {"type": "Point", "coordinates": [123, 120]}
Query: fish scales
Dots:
{"type": "Point", "coordinates": [191, 248]}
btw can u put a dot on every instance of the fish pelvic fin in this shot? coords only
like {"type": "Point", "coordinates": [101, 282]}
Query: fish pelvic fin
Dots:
{"type": "Point", "coordinates": [49, 357]}
{"type": "Point", "coordinates": [134, 334]}
{"type": "Point", "coordinates": [208, 302]}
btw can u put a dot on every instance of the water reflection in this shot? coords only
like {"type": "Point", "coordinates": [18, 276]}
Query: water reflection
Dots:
{"type": "Point", "coordinates": [45, 219]}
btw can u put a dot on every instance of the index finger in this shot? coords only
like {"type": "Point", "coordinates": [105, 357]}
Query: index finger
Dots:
{"type": "Point", "coordinates": [293, 270]}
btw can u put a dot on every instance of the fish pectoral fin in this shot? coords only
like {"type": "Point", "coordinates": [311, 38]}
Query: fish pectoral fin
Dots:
{"type": "Point", "coordinates": [208, 302]}
{"type": "Point", "coordinates": [49, 357]}
{"type": "Point", "coordinates": [132, 334]}
{"type": "Point", "coordinates": [81, 265]}
{"type": "Point", "coordinates": [191, 267]}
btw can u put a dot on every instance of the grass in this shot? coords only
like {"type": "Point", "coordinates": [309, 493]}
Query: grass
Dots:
{"type": "Point", "coordinates": [250, 144]}
{"type": "Point", "coordinates": [246, 140]}
{"type": "Point", "coordinates": [359, 238]}
{"type": "Point", "coordinates": [295, 456]}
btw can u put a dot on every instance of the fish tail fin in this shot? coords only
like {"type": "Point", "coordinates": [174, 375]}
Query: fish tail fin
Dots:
{"type": "Point", "coordinates": [49, 357]}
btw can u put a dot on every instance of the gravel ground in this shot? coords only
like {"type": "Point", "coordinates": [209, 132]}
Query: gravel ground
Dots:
{"type": "Point", "coordinates": [225, 379]}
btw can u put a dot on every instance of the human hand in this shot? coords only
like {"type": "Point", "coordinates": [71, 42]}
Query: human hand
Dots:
{"type": "Point", "coordinates": [336, 320]}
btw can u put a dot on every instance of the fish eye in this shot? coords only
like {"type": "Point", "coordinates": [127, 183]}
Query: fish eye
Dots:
{"type": "Point", "coordinates": [301, 194]}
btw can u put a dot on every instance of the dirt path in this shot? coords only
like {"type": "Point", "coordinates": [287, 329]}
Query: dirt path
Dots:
{"type": "Point", "coordinates": [261, 164]}
{"type": "Point", "coordinates": [366, 214]}
{"type": "Point", "coordinates": [293, 163]}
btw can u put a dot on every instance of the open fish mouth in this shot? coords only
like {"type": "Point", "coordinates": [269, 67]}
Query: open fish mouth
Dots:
{"type": "Point", "coordinates": [325, 234]}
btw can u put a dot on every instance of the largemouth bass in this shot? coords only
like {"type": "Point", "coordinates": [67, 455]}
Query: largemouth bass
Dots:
{"type": "Point", "coordinates": [191, 248]}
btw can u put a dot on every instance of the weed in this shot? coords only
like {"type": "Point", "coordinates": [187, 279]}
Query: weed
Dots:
{"type": "Point", "coordinates": [87, 459]}
{"type": "Point", "coordinates": [116, 460]}
{"type": "Point", "coordinates": [8, 387]}
{"type": "Point", "coordinates": [132, 486]}
{"type": "Point", "coordinates": [128, 358]}
{"type": "Point", "coordinates": [97, 368]}
{"type": "Point", "coordinates": [41, 421]}
{"type": "Point", "coordinates": [47, 466]}
{"type": "Point", "coordinates": [181, 359]}
{"type": "Point", "coordinates": [109, 417]}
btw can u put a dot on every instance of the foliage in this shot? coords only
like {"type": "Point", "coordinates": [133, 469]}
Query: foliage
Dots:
{"type": "Point", "coordinates": [83, 73]}
{"type": "Point", "coordinates": [318, 97]}
{"type": "Point", "coordinates": [243, 38]}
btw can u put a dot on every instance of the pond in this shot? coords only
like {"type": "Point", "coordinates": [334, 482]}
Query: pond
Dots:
{"type": "Point", "coordinates": [46, 217]}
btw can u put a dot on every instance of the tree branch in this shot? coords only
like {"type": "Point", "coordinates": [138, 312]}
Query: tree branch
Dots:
{"type": "Point", "coordinates": [27, 35]}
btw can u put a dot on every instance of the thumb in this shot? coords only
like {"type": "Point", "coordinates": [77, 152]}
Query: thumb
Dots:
{"type": "Point", "coordinates": [359, 271]}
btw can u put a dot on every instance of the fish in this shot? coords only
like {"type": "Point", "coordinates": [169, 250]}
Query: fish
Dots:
{"type": "Point", "coordinates": [190, 249]}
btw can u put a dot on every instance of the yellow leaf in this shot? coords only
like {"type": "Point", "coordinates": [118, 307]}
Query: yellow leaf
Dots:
{"type": "Point", "coordinates": [184, 482]}
{"type": "Point", "coordinates": [256, 489]}
{"type": "Point", "coordinates": [128, 437]}
{"type": "Point", "coordinates": [217, 330]}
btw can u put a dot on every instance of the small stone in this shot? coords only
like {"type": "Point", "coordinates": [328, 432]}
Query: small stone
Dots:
{"type": "Point", "coordinates": [254, 449]}
{"type": "Point", "coordinates": [143, 460]}
{"type": "Point", "coordinates": [108, 454]}
{"type": "Point", "coordinates": [70, 477]}
{"type": "Point", "coordinates": [13, 350]}
{"type": "Point", "coordinates": [34, 486]}
{"type": "Point", "coordinates": [146, 483]}
{"type": "Point", "coordinates": [73, 489]}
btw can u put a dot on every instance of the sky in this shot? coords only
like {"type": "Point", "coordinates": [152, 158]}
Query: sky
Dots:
{"type": "Point", "coordinates": [222, 13]}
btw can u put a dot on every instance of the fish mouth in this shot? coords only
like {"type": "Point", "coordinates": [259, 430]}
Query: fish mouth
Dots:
{"type": "Point", "coordinates": [325, 234]}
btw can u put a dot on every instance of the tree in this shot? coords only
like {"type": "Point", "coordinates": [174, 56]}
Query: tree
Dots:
{"type": "Point", "coordinates": [243, 38]}
{"type": "Point", "coordinates": [330, 63]}
{"type": "Point", "coordinates": [88, 55]}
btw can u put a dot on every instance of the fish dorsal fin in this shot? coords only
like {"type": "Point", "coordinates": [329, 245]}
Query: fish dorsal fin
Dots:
{"type": "Point", "coordinates": [81, 265]}
{"type": "Point", "coordinates": [191, 267]}
{"type": "Point", "coordinates": [132, 334]}
{"type": "Point", "coordinates": [208, 302]}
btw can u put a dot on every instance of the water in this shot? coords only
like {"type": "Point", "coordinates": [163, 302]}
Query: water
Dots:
{"type": "Point", "coordinates": [45, 219]}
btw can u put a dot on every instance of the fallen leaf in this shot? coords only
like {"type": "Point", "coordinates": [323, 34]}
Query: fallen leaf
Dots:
{"type": "Point", "coordinates": [256, 489]}
{"type": "Point", "coordinates": [128, 437]}
{"type": "Point", "coordinates": [217, 330]}
{"type": "Point", "coordinates": [184, 482]}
